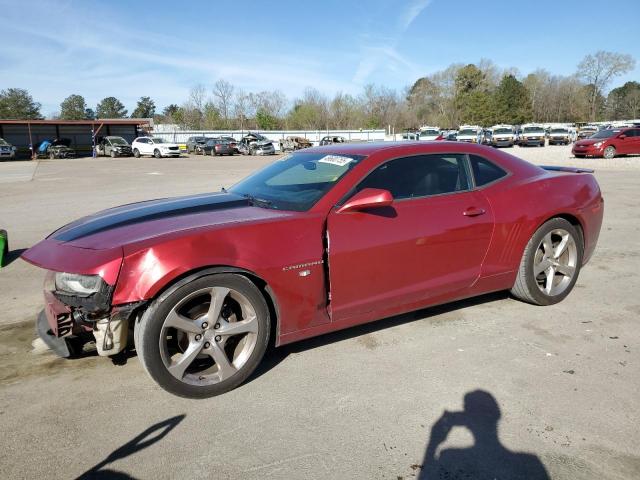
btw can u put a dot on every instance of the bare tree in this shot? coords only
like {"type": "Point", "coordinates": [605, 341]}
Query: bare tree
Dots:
{"type": "Point", "coordinates": [241, 107]}
{"type": "Point", "coordinates": [599, 69]}
{"type": "Point", "coordinates": [223, 93]}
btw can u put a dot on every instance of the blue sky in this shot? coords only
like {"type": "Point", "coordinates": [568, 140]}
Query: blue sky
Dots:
{"type": "Point", "coordinates": [163, 48]}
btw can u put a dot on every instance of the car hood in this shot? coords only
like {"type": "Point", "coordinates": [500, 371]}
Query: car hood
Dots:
{"type": "Point", "coordinates": [137, 222]}
{"type": "Point", "coordinates": [589, 141]}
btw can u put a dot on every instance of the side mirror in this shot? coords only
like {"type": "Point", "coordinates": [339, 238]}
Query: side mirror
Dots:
{"type": "Point", "coordinates": [367, 198]}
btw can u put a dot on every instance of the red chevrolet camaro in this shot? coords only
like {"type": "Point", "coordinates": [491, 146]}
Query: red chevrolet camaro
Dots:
{"type": "Point", "coordinates": [321, 239]}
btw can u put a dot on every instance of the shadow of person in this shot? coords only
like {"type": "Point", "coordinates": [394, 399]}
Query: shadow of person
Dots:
{"type": "Point", "coordinates": [151, 435]}
{"type": "Point", "coordinates": [487, 458]}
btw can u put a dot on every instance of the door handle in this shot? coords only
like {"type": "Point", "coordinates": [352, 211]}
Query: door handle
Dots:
{"type": "Point", "coordinates": [474, 212]}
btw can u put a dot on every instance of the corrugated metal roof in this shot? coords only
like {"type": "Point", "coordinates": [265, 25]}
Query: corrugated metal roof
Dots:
{"type": "Point", "coordinates": [110, 121]}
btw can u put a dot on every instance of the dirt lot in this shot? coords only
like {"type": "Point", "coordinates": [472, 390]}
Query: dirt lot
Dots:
{"type": "Point", "coordinates": [362, 403]}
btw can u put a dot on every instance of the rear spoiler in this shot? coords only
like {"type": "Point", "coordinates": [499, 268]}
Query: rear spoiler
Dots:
{"type": "Point", "coordinates": [567, 169]}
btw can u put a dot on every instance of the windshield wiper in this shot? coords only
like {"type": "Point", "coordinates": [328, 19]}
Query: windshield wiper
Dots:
{"type": "Point", "coordinates": [258, 202]}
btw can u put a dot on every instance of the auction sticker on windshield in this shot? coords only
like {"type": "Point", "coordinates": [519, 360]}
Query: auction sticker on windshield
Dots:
{"type": "Point", "coordinates": [336, 160]}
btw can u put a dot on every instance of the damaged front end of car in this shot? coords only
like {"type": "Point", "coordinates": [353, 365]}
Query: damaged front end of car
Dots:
{"type": "Point", "coordinates": [78, 307]}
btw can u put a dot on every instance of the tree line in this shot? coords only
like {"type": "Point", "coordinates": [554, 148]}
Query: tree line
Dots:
{"type": "Point", "coordinates": [478, 93]}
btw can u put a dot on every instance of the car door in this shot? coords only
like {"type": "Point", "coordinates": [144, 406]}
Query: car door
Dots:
{"type": "Point", "coordinates": [633, 141]}
{"type": "Point", "coordinates": [430, 243]}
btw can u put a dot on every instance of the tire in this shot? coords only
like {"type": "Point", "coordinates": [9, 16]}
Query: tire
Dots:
{"type": "Point", "coordinates": [157, 154]}
{"type": "Point", "coordinates": [198, 375]}
{"type": "Point", "coordinates": [136, 153]}
{"type": "Point", "coordinates": [609, 152]}
{"type": "Point", "coordinates": [252, 151]}
{"type": "Point", "coordinates": [552, 284]}
{"type": "Point", "coordinates": [52, 156]}
{"type": "Point", "coordinates": [113, 154]}
{"type": "Point", "coordinates": [579, 156]}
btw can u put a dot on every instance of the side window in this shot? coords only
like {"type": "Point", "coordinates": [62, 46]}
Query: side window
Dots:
{"type": "Point", "coordinates": [484, 171]}
{"type": "Point", "coordinates": [419, 176]}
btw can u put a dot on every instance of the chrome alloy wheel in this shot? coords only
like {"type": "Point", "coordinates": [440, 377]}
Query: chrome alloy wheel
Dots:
{"type": "Point", "coordinates": [555, 262]}
{"type": "Point", "coordinates": [208, 336]}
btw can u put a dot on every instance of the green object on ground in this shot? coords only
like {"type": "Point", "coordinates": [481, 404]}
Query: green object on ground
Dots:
{"type": "Point", "coordinates": [4, 247]}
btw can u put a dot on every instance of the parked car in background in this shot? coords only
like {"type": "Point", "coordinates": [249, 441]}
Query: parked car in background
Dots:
{"type": "Point", "coordinates": [609, 143]}
{"type": "Point", "coordinates": [503, 136]}
{"type": "Point", "coordinates": [451, 135]}
{"type": "Point", "coordinates": [294, 143]}
{"type": "Point", "coordinates": [113, 146]}
{"type": "Point", "coordinates": [332, 139]}
{"type": "Point", "coordinates": [233, 142]}
{"type": "Point", "coordinates": [58, 148]}
{"type": "Point", "coordinates": [256, 144]}
{"type": "Point", "coordinates": [411, 136]}
{"type": "Point", "coordinates": [469, 134]}
{"type": "Point", "coordinates": [532, 135]}
{"type": "Point", "coordinates": [6, 149]}
{"type": "Point", "coordinates": [200, 283]}
{"type": "Point", "coordinates": [485, 136]}
{"type": "Point", "coordinates": [154, 146]}
{"type": "Point", "coordinates": [217, 146]}
{"type": "Point", "coordinates": [586, 131]}
{"type": "Point", "coordinates": [559, 136]}
{"type": "Point", "coordinates": [431, 133]}
{"type": "Point", "coordinates": [196, 144]}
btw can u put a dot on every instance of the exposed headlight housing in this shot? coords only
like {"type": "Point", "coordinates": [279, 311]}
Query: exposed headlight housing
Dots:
{"type": "Point", "coordinates": [76, 284]}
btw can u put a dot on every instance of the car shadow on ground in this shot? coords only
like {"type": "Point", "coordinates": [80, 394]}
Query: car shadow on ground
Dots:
{"type": "Point", "coordinates": [276, 355]}
{"type": "Point", "coordinates": [151, 435]}
{"type": "Point", "coordinates": [487, 458]}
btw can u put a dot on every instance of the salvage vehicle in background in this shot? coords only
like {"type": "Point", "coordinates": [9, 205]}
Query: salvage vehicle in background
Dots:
{"type": "Point", "coordinates": [154, 146]}
{"type": "Point", "coordinates": [202, 282]}
{"type": "Point", "coordinates": [332, 139]}
{"type": "Point", "coordinates": [586, 131]}
{"type": "Point", "coordinates": [532, 135]}
{"type": "Point", "coordinates": [58, 148]}
{"type": "Point", "coordinates": [113, 146]}
{"type": "Point", "coordinates": [256, 144]}
{"type": "Point", "coordinates": [469, 134]}
{"type": "Point", "coordinates": [609, 143]}
{"type": "Point", "coordinates": [430, 133]}
{"type": "Point", "coordinates": [233, 142]}
{"type": "Point", "coordinates": [503, 136]}
{"type": "Point", "coordinates": [6, 149]}
{"type": "Point", "coordinates": [294, 143]}
{"type": "Point", "coordinates": [559, 136]}
{"type": "Point", "coordinates": [196, 144]}
{"type": "Point", "coordinates": [217, 146]}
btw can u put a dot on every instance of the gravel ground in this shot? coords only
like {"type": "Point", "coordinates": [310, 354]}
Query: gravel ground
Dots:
{"type": "Point", "coordinates": [559, 383]}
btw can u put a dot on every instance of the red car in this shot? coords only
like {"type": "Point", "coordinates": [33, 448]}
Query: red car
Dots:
{"type": "Point", "coordinates": [609, 143]}
{"type": "Point", "coordinates": [323, 239]}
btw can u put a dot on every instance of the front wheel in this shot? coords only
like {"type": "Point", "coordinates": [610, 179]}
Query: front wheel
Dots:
{"type": "Point", "coordinates": [609, 152]}
{"type": "Point", "coordinates": [156, 153]}
{"type": "Point", "coordinates": [550, 264]}
{"type": "Point", "coordinates": [206, 337]}
{"type": "Point", "coordinates": [113, 154]}
{"type": "Point", "coordinates": [136, 153]}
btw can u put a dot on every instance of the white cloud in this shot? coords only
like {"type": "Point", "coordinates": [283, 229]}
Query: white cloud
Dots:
{"type": "Point", "coordinates": [414, 9]}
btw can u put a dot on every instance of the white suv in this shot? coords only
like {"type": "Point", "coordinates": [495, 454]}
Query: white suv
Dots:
{"type": "Point", "coordinates": [532, 134]}
{"type": "Point", "coordinates": [154, 146]}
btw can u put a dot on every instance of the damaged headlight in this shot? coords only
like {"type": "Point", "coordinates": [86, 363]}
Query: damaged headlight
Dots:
{"type": "Point", "coordinates": [74, 283]}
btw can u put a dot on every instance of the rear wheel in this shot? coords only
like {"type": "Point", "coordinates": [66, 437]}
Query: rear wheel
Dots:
{"type": "Point", "coordinates": [136, 153]}
{"type": "Point", "coordinates": [206, 337]}
{"type": "Point", "coordinates": [579, 156]}
{"type": "Point", "coordinates": [610, 152]}
{"type": "Point", "coordinates": [550, 264]}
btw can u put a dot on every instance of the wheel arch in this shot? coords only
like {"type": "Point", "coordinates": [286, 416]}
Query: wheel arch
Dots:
{"type": "Point", "coordinates": [262, 285]}
{"type": "Point", "coordinates": [572, 219]}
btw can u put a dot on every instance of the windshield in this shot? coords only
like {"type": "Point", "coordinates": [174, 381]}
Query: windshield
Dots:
{"type": "Point", "coordinates": [533, 130]}
{"type": "Point", "coordinates": [158, 140]}
{"type": "Point", "coordinates": [296, 181]}
{"type": "Point", "coordinates": [118, 141]}
{"type": "Point", "coordinates": [429, 133]}
{"type": "Point", "coordinates": [467, 132]}
{"type": "Point", "coordinates": [606, 134]}
{"type": "Point", "coordinates": [3, 141]}
{"type": "Point", "coordinates": [502, 131]}
{"type": "Point", "coordinates": [559, 130]}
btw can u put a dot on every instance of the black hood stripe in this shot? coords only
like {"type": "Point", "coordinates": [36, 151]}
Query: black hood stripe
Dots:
{"type": "Point", "coordinates": [147, 211]}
